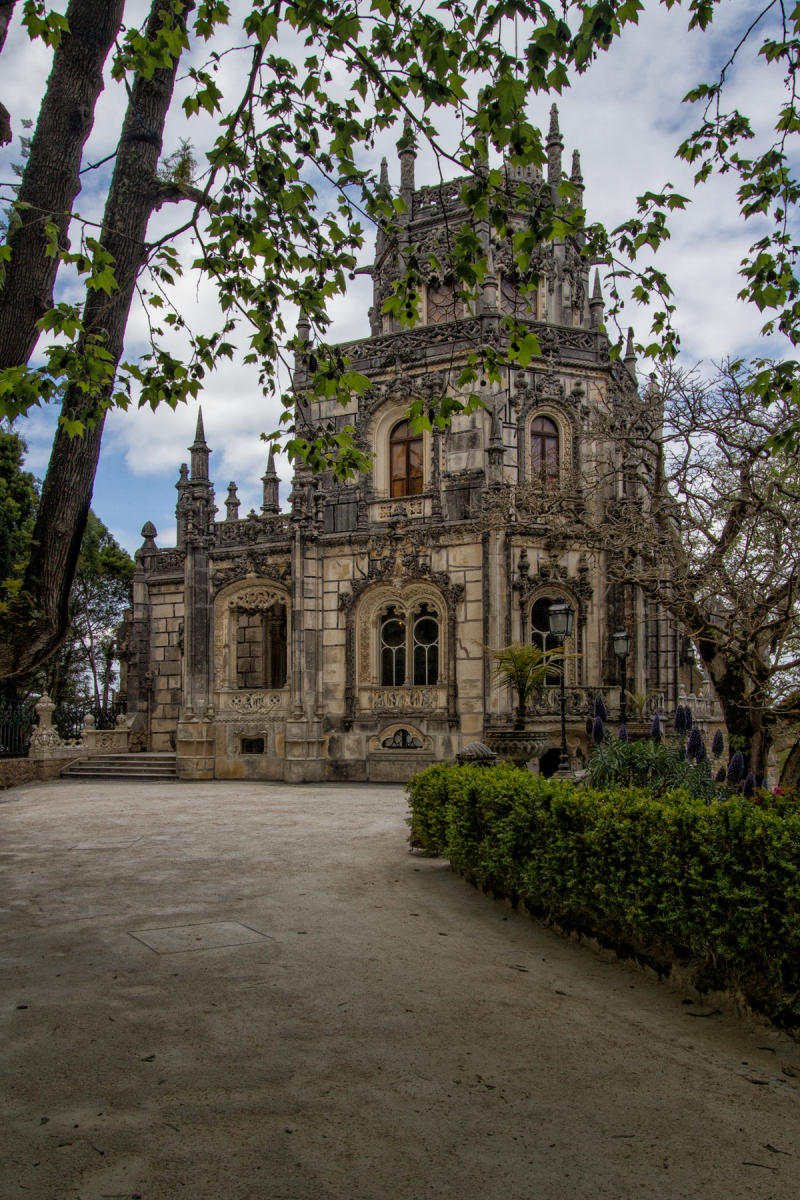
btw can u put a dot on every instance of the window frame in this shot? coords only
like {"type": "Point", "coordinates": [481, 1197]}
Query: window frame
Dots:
{"type": "Point", "coordinates": [540, 472]}
{"type": "Point", "coordinates": [406, 479]}
{"type": "Point", "coordinates": [416, 669]}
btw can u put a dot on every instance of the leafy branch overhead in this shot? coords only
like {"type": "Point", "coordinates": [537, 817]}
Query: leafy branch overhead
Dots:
{"type": "Point", "coordinates": [275, 210]}
{"type": "Point", "coordinates": [300, 132]}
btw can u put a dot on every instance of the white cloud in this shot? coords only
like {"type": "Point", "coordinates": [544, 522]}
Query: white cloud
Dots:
{"type": "Point", "coordinates": [624, 114]}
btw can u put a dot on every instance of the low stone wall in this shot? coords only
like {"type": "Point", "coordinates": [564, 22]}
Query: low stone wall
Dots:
{"type": "Point", "coordinates": [16, 771]}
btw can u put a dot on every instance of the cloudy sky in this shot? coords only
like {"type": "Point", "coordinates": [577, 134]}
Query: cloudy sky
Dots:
{"type": "Point", "coordinates": [624, 115]}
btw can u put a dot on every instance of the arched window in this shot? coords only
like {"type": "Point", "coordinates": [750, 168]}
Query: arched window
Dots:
{"type": "Point", "coordinates": [405, 456]}
{"type": "Point", "coordinates": [413, 639]}
{"type": "Point", "coordinates": [426, 647]}
{"type": "Point", "coordinates": [544, 450]}
{"type": "Point", "coordinates": [540, 631]}
{"type": "Point", "coordinates": [261, 647]}
{"type": "Point", "coordinates": [442, 304]}
{"type": "Point", "coordinates": [393, 648]}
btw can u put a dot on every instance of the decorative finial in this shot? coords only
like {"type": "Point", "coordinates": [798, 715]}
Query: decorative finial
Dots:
{"type": "Point", "coordinates": [271, 483]}
{"type": "Point", "coordinates": [149, 532]}
{"type": "Point", "coordinates": [232, 503]}
{"type": "Point", "coordinates": [596, 304]}
{"type": "Point", "coordinates": [630, 354]}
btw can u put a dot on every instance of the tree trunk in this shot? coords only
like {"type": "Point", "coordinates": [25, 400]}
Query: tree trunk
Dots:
{"type": "Point", "coordinates": [40, 618]}
{"type": "Point", "coordinates": [6, 11]}
{"type": "Point", "coordinates": [51, 179]}
{"type": "Point", "coordinates": [743, 710]}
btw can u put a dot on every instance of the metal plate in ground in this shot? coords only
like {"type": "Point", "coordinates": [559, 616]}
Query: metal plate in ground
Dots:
{"type": "Point", "coordinates": [214, 935]}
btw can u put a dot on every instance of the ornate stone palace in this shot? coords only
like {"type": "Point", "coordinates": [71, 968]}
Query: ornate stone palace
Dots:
{"type": "Point", "coordinates": [346, 638]}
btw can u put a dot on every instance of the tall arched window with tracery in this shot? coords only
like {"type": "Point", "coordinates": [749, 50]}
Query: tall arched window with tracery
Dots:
{"type": "Point", "coordinates": [409, 636]}
{"type": "Point", "coordinates": [393, 647]}
{"type": "Point", "coordinates": [425, 638]}
{"type": "Point", "coordinates": [544, 450]}
{"type": "Point", "coordinates": [405, 461]}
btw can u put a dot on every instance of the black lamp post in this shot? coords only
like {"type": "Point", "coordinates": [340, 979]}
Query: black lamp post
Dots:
{"type": "Point", "coordinates": [622, 648]}
{"type": "Point", "coordinates": [559, 619]}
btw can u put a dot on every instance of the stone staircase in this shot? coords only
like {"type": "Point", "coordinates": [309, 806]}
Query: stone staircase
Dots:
{"type": "Point", "coordinates": [123, 766]}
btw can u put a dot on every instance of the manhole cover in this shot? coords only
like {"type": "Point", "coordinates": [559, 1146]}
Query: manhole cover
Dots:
{"type": "Point", "coordinates": [178, 939]}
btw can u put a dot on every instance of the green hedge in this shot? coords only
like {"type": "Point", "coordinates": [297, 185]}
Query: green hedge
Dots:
{"type": "Point", "coordinates": [678, 877]}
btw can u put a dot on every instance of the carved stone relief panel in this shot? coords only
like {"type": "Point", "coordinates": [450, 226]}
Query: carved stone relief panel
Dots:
{"type": "Point", "coordinates": [269, 705]}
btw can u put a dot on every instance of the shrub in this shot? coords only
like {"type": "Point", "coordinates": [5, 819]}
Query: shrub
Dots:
{"type": "Point", "coordinates": [649, 765]}
{"type": "Point", "coordinates": [720, 882]}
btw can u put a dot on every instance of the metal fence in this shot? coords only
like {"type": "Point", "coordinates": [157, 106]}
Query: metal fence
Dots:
{"type": "Point", "coordinates": [17, 722]}
{"type": "Point", "coordinates": [16, 725]}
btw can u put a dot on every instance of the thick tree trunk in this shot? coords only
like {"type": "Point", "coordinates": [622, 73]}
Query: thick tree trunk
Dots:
{"type": "Point", "coordinates": [39, 622]}
{"type": "Point", "coordinates": [6, 10]}
{"type": "Point", "coordinates": [51, 180]}
{"type": "Point", "coordinates": [743, 711]}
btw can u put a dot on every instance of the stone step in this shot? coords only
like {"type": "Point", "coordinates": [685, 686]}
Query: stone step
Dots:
{"type": "Point", "coordinates": [123, 766]}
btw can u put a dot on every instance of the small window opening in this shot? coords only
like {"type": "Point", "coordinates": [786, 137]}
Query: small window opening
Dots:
{"type": "Point", "coordinates": [252, 745]}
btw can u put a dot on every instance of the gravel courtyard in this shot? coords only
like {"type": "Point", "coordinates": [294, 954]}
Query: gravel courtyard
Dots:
{"type": "Point", "coordinates": [233, 991]}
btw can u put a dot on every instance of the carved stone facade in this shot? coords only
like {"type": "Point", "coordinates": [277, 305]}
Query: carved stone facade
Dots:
{"type": "Point", "coordinates": [346, 638]}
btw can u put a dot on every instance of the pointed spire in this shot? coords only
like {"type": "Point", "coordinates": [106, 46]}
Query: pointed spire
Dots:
{"type": "Point", "coordinates": [481, 140]}
{"type": "Point", "coordinates": [597, 303]}
{"type": "Point", "coordinates": [407, 154]}
{"type": "Point", "coordinates": [489, 286]}
{"type": "Point", "coordinates": [630, 355]}
{"type": "Point", "coordinates": [576, 178]}
{"type": "Point", "coordinates": [199, 433]}
{"type": "Point", "coordinates": [232, 503]}
{"type": "Point", "coordinates": [199, 452]}
{"type": "Point", "coordinates": [555, 144]}
{"type": "Point", "coordinates": [384, 193]}
{"type": "Point", "coordinates": [271, 483]}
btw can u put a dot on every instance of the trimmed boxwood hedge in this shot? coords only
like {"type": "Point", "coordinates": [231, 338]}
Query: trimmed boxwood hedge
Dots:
{"type": "Point", "coordinates": [673, 878]}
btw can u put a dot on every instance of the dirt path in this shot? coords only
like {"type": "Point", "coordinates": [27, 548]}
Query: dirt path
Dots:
{"type": "Point", "coordinates": [254, 992]}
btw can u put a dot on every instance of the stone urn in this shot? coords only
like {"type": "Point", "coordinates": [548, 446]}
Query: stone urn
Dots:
{"type": "Point", "coordinates": [518, 746]}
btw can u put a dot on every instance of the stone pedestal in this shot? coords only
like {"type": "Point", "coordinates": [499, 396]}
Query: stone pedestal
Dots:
{"type": "Point", "coordinates": [196, 743]}
{"type": "Point", "coordinates": [518, 746]}
{"type": "Point", "coordinates": [49, 752]}
{"type": "Point", "coordinates": [306, 752]}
